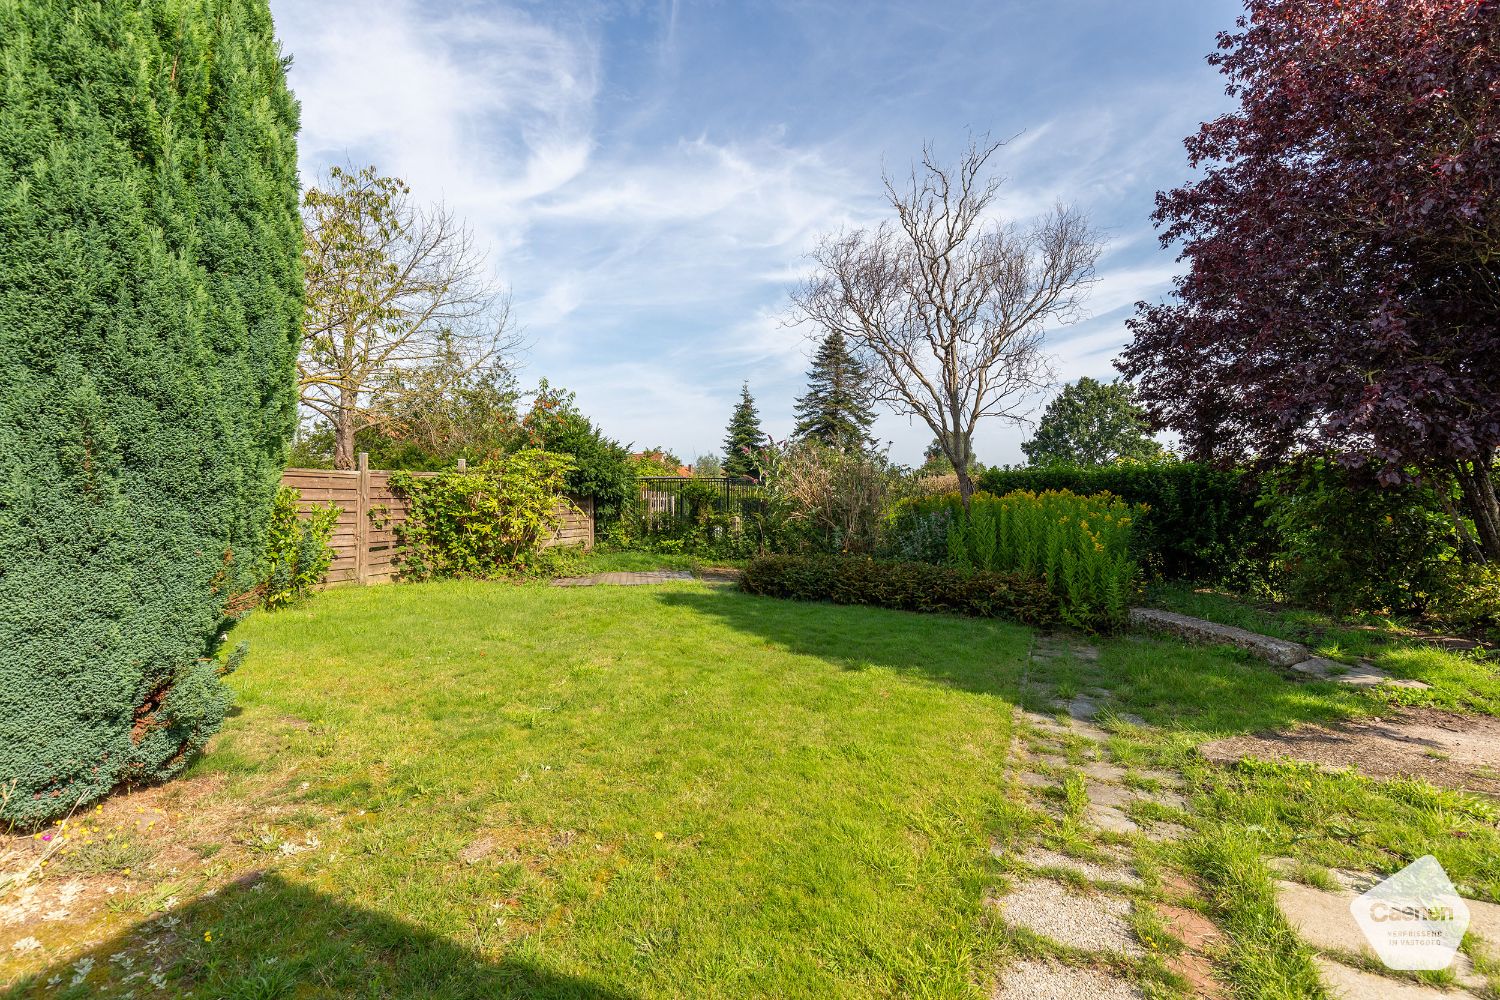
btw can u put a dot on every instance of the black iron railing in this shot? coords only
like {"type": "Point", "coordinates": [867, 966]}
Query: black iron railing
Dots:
{"type": "Point", "coordinates": [669, 499]}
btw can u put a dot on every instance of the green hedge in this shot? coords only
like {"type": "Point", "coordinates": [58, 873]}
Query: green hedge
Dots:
{"type": "Point", "coordinates": [150, 313]}
{"type": "Point", "coordinates": [1202, 525]}
{"type": "Point", "coordinates": [905, 586]}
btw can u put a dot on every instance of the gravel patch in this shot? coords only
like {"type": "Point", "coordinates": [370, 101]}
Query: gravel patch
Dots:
{"type": "Point", "coordinates": [1091, 921]}
{"type": "Point", "coordinates": [1038, 980]}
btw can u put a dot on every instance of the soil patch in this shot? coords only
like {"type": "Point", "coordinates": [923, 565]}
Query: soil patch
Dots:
{"type": "Point", "coordinates": [1447, 749]}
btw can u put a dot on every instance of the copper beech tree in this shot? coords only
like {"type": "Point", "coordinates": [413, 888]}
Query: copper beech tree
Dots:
{"type": "Point", "coordinates": [1342, 293]}
{"type": "Point", "coordinates": [946, 308]}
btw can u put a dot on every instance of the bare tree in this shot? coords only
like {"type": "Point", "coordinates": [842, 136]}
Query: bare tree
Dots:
{"type": "Point", "coordinates": [392, 289]}
{"type": "Point", "coordinates": [947, 308]}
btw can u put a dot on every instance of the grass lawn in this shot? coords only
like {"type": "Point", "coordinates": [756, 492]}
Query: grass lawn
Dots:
{"type": "Point", "coordinates": [482, 790]}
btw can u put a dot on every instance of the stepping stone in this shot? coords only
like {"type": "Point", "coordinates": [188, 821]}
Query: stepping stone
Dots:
{"type": "Point", "coordinates": [1080, 709]}
{"type": "Point", "coordinates": [1101, 771]}
{"type": "Point", "coordinates": [1277, 651]}
{"type": "Point", "coordinates": [1364, 675]}
{"type": "Point", "coordinates": [622, 579]}
{"type": "Point", "coordinates": [1322, 919]}
{"type": "Point", "coordinates": [1159, 833]}
{"type": "Point", "coordinates": [1049, 980]}
{"type": "Point", "coordinates": [1032, 780]}
{"type": "Point", "coordinates": [1090, 921]}
{"type": "Point", "coordinates": [1041, 857]}
{"type": "Point", "coordinates": [1111, 819]}
{"type": "Point", "coordinates": [1353, 984]}
{"type": "Point", "coordinates": [1090, 653]}
{"type": "Point", "coordinates": [1190, 927]}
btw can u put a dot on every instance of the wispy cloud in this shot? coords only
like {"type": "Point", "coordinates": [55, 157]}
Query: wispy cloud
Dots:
{"type": "Point", "coordinates": [650, 175]}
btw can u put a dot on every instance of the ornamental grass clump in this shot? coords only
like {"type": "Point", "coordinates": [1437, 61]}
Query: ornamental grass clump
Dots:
{"type": "Point", "coordinates": [1080, 545]}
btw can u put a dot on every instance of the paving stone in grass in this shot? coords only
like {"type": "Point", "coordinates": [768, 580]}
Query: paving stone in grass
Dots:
{"type": "Point", "coordinates": [1363, 675]}
{"type": "Point", "coordinates": [1354, 984]}
{"type": "Point", "coordinates": [1322, 919]}
{"type": "Point", "coordinates": [1160, 832]}
{"type": "Point", "coordinates": [1047, 980]}
{"type": "Point", "coordinates": [1041, 857]}
{"type": "Point", "coordinates": [1102, 771]}
{"type": "Point", "coordinates": [622, 579]}
{"type": "Point", "coordinates": [1092, 921]}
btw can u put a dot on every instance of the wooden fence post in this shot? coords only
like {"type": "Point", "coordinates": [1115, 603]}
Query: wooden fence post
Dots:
{"type": "Point", "coordinates": [362, 520]}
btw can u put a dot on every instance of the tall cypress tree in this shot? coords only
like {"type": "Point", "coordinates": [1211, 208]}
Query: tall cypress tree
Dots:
{"type": "Point", "coordinates": [836, 410]}
{"type": "Point", "coordinates": [150, 310]}
{"type": "Point", "coordinates": [743, 436]}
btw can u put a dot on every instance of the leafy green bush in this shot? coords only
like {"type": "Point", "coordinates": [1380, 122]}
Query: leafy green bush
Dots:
{"type": "Point", "coordinates": [297, 549]}
{"type": "Point", "coordinates": [905, 586]}
{"type": "Point", "coordinates": [1202, 522]}
{"type": "Point", "coordinates": [1471, 602]}
{"type": "Point", "coordinates": [487, 522]}
{"type": "Point", "coordinates": [1081, 546]}
{"type": "Point", "coordinates": [1347, 548]}
{"type": "Point", "coordinates": [150, 312]}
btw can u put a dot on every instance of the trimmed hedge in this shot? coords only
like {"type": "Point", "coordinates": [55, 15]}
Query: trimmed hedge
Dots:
{"type": "Point", "coordinates": [904, 586]}
{"type": "Point", "coordinates": [1202, 524]}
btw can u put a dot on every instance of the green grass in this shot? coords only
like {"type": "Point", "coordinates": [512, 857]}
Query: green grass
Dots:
{"type": "Point", "coordinates": [1465, 682]}
{"type": "Point", "coordinates": [686, 791]}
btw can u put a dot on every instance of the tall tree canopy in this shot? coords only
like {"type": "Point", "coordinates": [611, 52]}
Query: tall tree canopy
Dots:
{"type": "Point", "coordinates": [836, 409]}
{"type": "Point", "coordinates": [399, 304]}
{"type": "Point", "coordinates": [1092, 423]}
{"type": "Point", "coordinates": [1342, 293]}
{"type": "Point", "coordinates": [743, 437]}
{"type": "Point", "coordinates": [945, 306]}
{"type": "Point", "coordinates": [150, 308]}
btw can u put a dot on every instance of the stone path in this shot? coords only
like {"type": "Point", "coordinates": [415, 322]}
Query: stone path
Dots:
{"type": "Point", "coordinates": [1291, 655]}
{"type": "Point", "coordinates": [1323, 920]}
{"type": "Point", "coordinates": [1083, 891]}
{"type": "Point", "coordinates": [623, 579]}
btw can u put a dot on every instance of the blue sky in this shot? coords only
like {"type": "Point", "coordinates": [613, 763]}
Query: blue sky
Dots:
{"type": "Point", "coordinates": [649, 175]}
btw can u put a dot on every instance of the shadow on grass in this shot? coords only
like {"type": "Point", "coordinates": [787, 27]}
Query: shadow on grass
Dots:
{"type": "Point", "coordinates": [264, 938]}
{"type": "Point", "coordinates": [1168, 684]}
{"type": "Point", "coordinates": [940, 647]}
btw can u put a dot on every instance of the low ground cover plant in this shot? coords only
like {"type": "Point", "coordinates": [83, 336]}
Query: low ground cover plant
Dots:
{"type": "Point", "coordinates": [1081, 546]}
{"type": "Point", "coordinates": [906, 586]}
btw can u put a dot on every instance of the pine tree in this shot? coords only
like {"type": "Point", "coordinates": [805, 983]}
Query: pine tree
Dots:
{"type": "Point", "coordinates": [743, 437]}
{"type": "Point", "coordinates": [150, 311]}
{"type": "Point", "coordinates": [836, 410]}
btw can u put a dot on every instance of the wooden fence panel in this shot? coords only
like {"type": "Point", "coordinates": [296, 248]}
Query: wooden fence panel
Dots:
{"type": "Point", "coordinates": [364, 538]}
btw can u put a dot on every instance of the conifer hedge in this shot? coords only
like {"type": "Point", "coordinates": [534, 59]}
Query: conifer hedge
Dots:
{"type": "Point", "coordinates": [150, 307]}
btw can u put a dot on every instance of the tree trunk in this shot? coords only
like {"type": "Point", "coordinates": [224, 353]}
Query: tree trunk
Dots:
{"type": "Point", "coordinates": [961, 453]}
{"type": "Point", "coordinates": [1477, 482]}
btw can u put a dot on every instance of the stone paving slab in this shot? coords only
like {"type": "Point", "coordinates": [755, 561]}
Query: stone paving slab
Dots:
{"type": "Point", "coordinates": [1089, 921]}
{"type": "Point", "coordinates": [1041, 857]}
{"type": "Point", "coordinates": [623, 579]}
{"type": "Point", "coordinates": [1322, 919]}
{"type": "Point", "coordinates": [1363, 675]}
{"type": "Point", "coordinates": [1048, 980]}
{"type": "Point", "coordinates": [1355, 984]}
